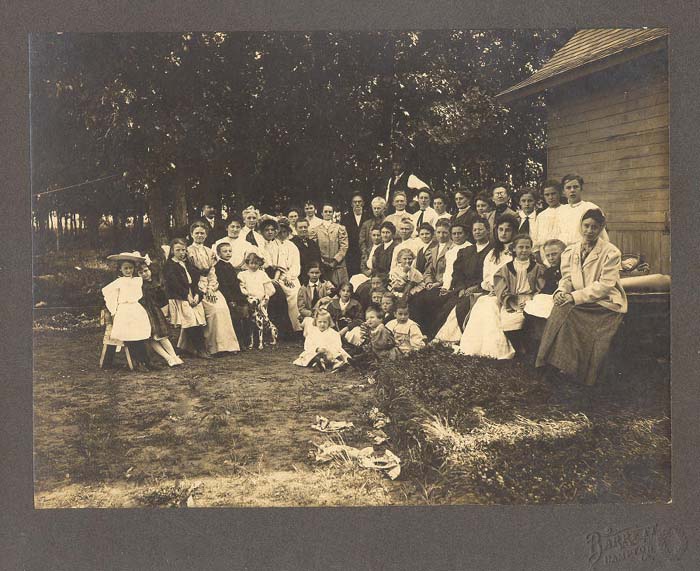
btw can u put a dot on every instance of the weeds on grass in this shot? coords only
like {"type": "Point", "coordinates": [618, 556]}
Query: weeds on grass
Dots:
{"type": "Point", "coordinates": [491, 432]}
{"type": "Point", "coordinates": [178, 495]}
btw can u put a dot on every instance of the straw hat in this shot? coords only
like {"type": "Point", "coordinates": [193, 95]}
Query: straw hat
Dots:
{"type": "Point", "coordinates": [128, 257]}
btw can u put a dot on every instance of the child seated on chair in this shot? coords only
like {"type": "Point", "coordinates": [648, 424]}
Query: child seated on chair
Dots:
{"type": "Point", "coordinates": [323, 346]}
{"type": "Point", "coordinates": [155, 302]}
{"type": "Point", "coordinates": [130, 324]}
{"type": "Point", "coordinates": [404, 279]}
{"type": "Point", "coordinates": [315, 294]}
{"type": "Point", "coordinates": [406, 332]}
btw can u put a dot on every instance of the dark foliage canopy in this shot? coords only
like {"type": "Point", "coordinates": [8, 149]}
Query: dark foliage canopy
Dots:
{"type": "Point", "coordinates": [274, 118]}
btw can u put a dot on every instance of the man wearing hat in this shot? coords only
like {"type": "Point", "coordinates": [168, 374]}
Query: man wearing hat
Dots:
{"type": "Point", "coordinates": [217, 227]}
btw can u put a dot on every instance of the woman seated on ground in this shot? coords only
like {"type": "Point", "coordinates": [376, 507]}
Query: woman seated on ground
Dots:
{"type": "Point", "coordinates": [451, 331]}
{"type": "Point", "coordinates": [323, 347]}
{"type": "Point", "coordinates": [219, 335]}
{"type": "Point", "coordinates": [495, 321]}
{"type": "Point", "coordinates": [588, 305]}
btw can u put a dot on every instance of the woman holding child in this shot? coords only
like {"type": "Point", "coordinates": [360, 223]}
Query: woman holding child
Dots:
{"type": "Point", "coordinates": [219, 334]}
{"type": "Point", "coordinates": [588, 304]}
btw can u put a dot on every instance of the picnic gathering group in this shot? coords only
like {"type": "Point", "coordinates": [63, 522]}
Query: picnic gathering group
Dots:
{"type": "Point", "coordinates": [529, 275]}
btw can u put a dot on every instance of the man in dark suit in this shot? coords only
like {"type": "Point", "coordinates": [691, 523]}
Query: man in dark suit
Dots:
{"type": "Point", "coordinates": [353, 221]}
{"type": "Point", "coordinates": [217, 227]}
{"type": "Point", "coordinates": [402, 179]}
{"type": "Point", "coordinates": [309, 251]}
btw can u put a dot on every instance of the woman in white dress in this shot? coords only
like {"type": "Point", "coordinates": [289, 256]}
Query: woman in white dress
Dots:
{"type": "Point", "coordinates": [288, 263]}
{"type": "Point", "coordinates": [219, 335]}
{"type": "Point", "coordinates": [496, 317]}
{"type": "Point", "coordinates": [451, 331]}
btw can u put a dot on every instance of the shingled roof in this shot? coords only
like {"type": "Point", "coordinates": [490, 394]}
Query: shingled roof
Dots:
{"type": "Point", "coordinates": [586, 52]}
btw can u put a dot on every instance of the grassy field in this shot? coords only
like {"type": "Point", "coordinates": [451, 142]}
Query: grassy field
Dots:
{"type": "Point", "coordinates": [239, 425]}
{"type": "Point", "coordinates": [235, 431]}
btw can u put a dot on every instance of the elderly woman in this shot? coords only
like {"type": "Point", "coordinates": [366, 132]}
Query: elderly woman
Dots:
{"type": "Point", "coordinates": [588, 304]}
{"type": "Point", "coordinates": [249, 232]}
{"type": "Point", "coordinates": [219, 335]}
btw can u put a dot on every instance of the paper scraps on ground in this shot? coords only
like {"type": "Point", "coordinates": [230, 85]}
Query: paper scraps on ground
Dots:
{"type": "Point", "coordinates": [378, 418]}
{"type": "Point", "coordinates": [378, 436]}
{"type": "Point", "coordinates": [322, 424]}
{"type": "Point", "coordinates": [385, 461]}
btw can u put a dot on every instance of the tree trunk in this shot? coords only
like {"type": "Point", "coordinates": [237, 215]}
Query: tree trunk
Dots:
{"type": "Point", "coordinates": [158, 220]}
{"type": "Point", "coordinates": [180, 212]}
{"type": "Point", "coordinates": [91, 219]}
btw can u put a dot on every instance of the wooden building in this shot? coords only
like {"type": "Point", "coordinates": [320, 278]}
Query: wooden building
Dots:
{"type": "Point", "coordinates": [607, 98]}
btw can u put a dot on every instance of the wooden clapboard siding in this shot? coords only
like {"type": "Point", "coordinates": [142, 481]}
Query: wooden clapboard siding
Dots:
{"type": "Point", "coordinates": [611, 128]}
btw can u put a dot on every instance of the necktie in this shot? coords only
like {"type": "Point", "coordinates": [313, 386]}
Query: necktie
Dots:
{"type": "Point", "coordinates": [420, 219]}
{"type": "Point", "coordinates": [251, 238]}
{"type": "Point", "coordinates": [525, 226]}
{"type": "Point", "coordinates": [314, 296]}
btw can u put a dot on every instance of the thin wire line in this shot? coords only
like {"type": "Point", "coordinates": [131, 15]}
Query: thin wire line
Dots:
{"type": "Point", "coordinates": [77, 185]}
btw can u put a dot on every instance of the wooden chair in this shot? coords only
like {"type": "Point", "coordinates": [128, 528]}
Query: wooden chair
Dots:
{"type": "Point", "coordinates": [111, 346]}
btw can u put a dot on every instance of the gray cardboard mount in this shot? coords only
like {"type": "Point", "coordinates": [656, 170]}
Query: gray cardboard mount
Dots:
{"type": "Point", "coordinates": [458, 537]}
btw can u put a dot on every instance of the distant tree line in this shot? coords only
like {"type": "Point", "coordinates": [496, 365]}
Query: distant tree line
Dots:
{"type": "Point", "coordinates": [272, 119]}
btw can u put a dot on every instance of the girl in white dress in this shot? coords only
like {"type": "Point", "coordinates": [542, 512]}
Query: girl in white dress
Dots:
{"type": "Point", "coordinates": [219, 335]}
{"type": "Point", "coordinates": [323, 346]}
{"type": "Point", "coordinates": [130, 321]}
{"type": "Point", "coordinates": [496, 317]}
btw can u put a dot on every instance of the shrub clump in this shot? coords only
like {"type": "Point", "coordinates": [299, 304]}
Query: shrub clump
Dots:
{"type": "Point", "coordinates": [492, 432]}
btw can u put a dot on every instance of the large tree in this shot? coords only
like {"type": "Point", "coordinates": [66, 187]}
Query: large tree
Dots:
{"type": "Point", "coordinates": [273, 118]}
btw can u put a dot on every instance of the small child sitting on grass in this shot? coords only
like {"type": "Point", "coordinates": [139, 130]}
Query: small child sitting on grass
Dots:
{"type": "Point", "coordinates": [378, 341]}
{"type": "Point", "coordinates": [406, 332]}
{"type": "Point", "coordinates": [387, 306]}
{"type": "Point", "coordinates": [323, 346]}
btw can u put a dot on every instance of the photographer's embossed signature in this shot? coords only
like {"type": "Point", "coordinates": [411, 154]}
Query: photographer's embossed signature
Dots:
{"type": "Point", "coordinates": [643, 543]}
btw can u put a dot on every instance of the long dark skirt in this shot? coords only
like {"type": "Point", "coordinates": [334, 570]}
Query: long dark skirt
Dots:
{"type": "Point", "coordinates": [577, 338]}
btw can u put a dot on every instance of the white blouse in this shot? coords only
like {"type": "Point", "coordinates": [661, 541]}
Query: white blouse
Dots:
{"type": "Point", "coordinates": [122, 290]}
{"type": "Point", "coordinates": [491, 266]}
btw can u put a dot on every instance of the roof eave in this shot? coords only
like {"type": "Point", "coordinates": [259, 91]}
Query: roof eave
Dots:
{"type": "Point", "coordinates": [581, 71]}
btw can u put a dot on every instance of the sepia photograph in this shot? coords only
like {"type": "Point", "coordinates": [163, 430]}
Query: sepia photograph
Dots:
{"type": "Point", "coordinates": [351, 268]}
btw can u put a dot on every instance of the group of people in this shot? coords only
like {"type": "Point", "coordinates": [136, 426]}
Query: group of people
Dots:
{"type": "Point", "coordinates": [500, 276]}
